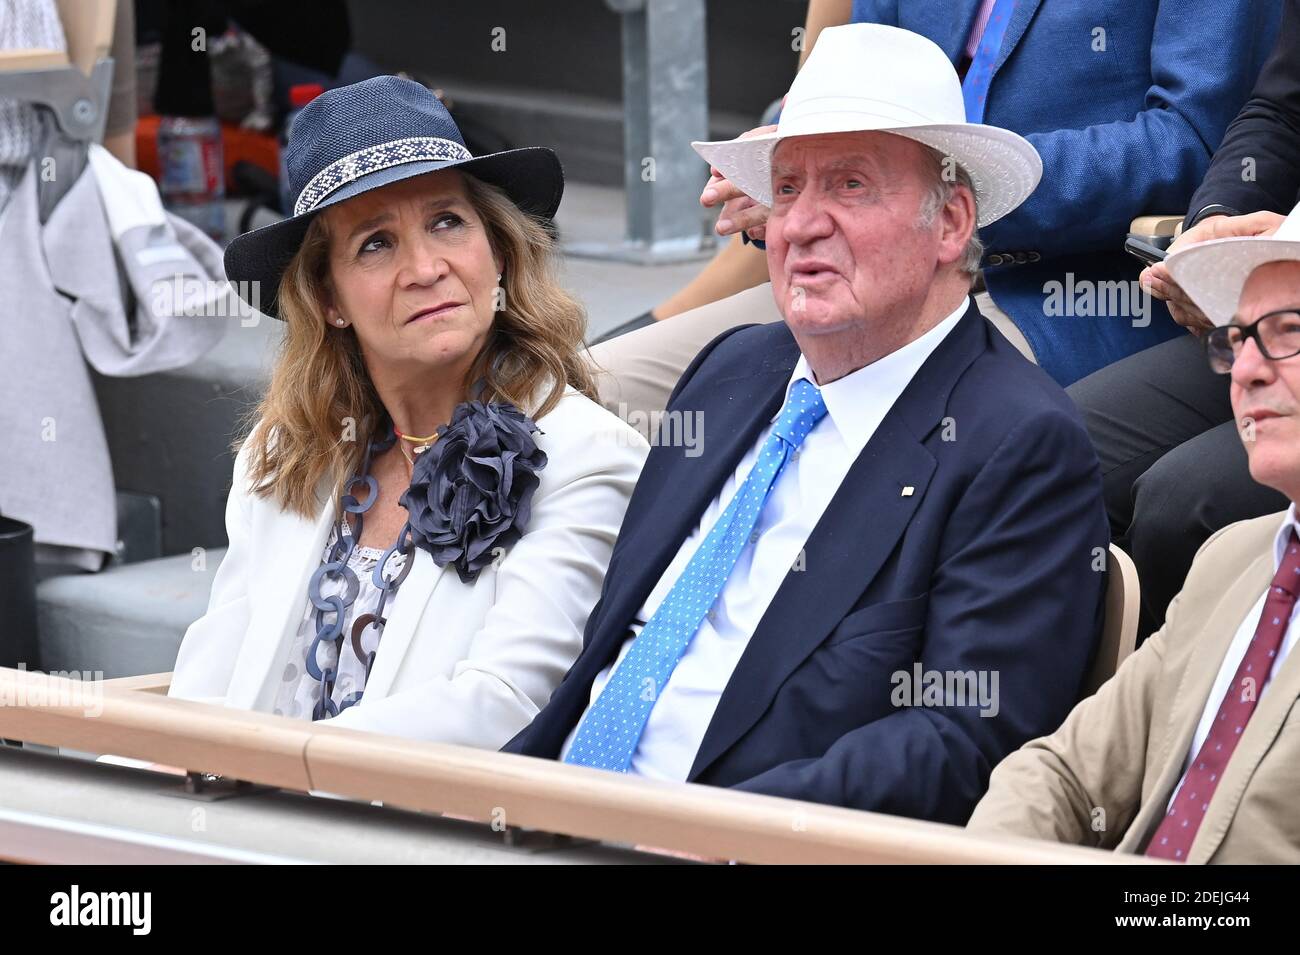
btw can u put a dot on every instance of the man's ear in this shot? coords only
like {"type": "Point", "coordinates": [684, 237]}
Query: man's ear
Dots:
{"type": "Point", "coordinates": [957, 219]}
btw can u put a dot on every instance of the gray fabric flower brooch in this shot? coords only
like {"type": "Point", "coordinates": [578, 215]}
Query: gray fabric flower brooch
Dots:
{"type": "Point", "coordinates": [471, 492]}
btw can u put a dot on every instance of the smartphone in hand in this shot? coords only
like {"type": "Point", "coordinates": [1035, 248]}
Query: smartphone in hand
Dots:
{"type": "Point", "coordinates": [1142, 248]}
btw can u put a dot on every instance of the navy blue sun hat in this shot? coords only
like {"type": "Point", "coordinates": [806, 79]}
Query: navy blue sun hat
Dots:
{"type": "Point", "coordinates": [359, 137]}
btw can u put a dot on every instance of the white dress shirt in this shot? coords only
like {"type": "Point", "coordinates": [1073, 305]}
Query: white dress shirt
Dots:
{"type": "Point", "coordinates": [855, 406]}
{"type": "Point", "coordinates": [1240, 643]}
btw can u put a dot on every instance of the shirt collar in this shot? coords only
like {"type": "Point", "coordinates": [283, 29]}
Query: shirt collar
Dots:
{"type": "Point", "coordinates": [858, 402]}
{"type": "Point", "coordinates": [1284, 536]}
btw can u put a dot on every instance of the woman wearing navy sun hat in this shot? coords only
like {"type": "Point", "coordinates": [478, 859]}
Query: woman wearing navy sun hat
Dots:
{"type": "Point", "coordinates": [427, 497]}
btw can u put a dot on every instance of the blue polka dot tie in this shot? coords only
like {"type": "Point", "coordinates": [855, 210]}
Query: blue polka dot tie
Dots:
{"type": "Point", "coordinates": [612, 728]}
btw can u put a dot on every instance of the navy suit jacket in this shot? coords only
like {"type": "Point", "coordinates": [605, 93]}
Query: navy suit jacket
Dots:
{"type": "Point", "coordinates": [1125, 100]}
{"type": "Point", "coordinates": [1264, 138]}
{"type": "Point", "coordinates": [990, 564]}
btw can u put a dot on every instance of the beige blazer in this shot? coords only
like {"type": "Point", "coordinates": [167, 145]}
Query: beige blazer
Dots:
{"type": "Point", "coordinates": [467, 663]}
{"type": "Point", "coordinates": [1105, 777]}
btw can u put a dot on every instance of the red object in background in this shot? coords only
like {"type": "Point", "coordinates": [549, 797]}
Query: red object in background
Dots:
{"type": "Point", "coordinates": [300, 94]}
{"type": "Point", "coordinates": [261, 149]}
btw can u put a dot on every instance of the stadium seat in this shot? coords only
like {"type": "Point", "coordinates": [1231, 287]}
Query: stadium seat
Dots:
{"type": "Point", "coordinates": [1119, 632]}
{"type": "Point", "coordinates": [123, 621]}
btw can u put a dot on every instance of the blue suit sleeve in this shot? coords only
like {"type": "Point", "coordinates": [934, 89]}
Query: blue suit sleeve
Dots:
{"type": "Point", "coordinates": [1205, 55]}
{"type": "Point", "coordinates": [1016, 599]}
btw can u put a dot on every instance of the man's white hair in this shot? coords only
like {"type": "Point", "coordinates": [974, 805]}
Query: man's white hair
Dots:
{"type": "Point", "coordinates": [948, 175]}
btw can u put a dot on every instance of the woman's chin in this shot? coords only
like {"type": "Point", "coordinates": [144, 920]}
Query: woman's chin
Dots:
{"type": "Point", "coordinates": [442, 348]}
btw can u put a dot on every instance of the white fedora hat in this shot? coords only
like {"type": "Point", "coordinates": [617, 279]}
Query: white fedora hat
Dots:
{"type": "Point", "coordinates": [866, 77]}
{"type": "Point", "coordinates": [1213, 273]}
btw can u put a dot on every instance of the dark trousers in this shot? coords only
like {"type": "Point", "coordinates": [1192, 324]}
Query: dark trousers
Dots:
{"type": "Point", "coordinates": [1173, 466]}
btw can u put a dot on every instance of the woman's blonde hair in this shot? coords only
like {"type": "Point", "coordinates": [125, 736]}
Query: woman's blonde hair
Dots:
{"type": "Point", "coordinates": [321, 408]}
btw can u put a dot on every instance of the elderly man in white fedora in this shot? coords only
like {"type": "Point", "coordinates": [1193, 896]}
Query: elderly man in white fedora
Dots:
{"type": "Point", "coordinates": [880, 576]}
{"type": "Point", "coordinates": [1190, 752]}
{"type": "Point", "coordinates": [637, 371]}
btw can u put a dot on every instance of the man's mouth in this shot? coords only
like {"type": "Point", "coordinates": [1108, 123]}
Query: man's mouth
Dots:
{"type": "Point", "coordinates": [812, 271]}
{"type": "Point", "coordinates": [1257, 415]}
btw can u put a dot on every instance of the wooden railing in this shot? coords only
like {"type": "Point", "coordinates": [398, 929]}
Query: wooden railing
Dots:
{"type": "Point", "coordinates": [135, 718]}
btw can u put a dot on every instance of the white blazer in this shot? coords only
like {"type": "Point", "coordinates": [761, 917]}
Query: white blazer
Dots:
{"type": "Point", "coordinates": [457, 663]}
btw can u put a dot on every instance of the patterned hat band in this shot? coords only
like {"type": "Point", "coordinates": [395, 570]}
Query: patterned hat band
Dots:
{"type": "Point", "coordinates": [373, 158]}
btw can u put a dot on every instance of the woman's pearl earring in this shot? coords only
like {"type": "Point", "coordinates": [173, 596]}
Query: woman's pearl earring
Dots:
{"type": "Point", "coordinates": [339, 322]}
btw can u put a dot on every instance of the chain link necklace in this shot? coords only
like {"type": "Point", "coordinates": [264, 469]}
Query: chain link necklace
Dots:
{"type": "Point", "coordinates": [450, 514]}
{"type": "Point", "coordinates": [336, 570]}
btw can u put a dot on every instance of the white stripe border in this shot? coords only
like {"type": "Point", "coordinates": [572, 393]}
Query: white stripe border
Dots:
{"type": "Point", "coordinates": [372, 159]}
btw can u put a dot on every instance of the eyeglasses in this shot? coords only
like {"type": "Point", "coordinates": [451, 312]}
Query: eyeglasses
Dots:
{"type": "Point", "coordinates": [1277, 335]}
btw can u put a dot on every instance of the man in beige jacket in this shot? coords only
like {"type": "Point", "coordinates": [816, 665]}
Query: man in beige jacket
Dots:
{"type": "Point", "coordinates": [1192, 751]}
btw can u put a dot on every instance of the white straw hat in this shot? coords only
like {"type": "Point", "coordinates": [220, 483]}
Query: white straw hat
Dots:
{"type": "Point", "coordinates": [867, 77]}
{"type": "Point", "coordinates": [1213, 273]}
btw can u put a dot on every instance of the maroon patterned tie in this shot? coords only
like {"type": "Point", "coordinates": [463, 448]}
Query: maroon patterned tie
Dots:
{"type": "Point", "coordinates": [1174, 837]}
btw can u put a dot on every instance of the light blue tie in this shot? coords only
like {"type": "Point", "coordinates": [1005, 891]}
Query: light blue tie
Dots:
{"type": "Point", "coordinates": [612, 728]}
{"type": "Point", "coordinates": [979, 75]}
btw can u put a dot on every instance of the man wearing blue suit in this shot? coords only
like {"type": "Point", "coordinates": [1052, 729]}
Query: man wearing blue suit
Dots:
{"type": "Point", "coordinates": [883, 573]}
{"type": "Point", "coordinates": [1126, 101]}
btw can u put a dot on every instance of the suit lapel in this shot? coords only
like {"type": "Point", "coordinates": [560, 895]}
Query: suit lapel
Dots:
{"type": "Point", "coordinates": [741, 409]}
{"type": "Point", "coordinates": [291, 552]}
{"type": "Point", "coordinates": [403, 620]}
{"type": "Point", "coordinates": [1256, 740]}
{"type": "Point", "coordinates": [860, 528]}
{"type": "Point", "coordinates": [1194, 686]}
{"type": "Point", "coordinates": [868, 507]}
{"type": "Point", "coordinates": [1020, 18]}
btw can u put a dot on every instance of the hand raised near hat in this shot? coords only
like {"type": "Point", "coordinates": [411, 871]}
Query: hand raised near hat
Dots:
{"type": "Point", "coordinates": [740, 213]}
{"type": "Point", "coordinates": [1157, 280]}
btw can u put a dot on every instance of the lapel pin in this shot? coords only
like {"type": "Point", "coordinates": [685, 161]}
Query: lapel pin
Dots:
{"type": "Point", "coordinates": [908, 491]}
